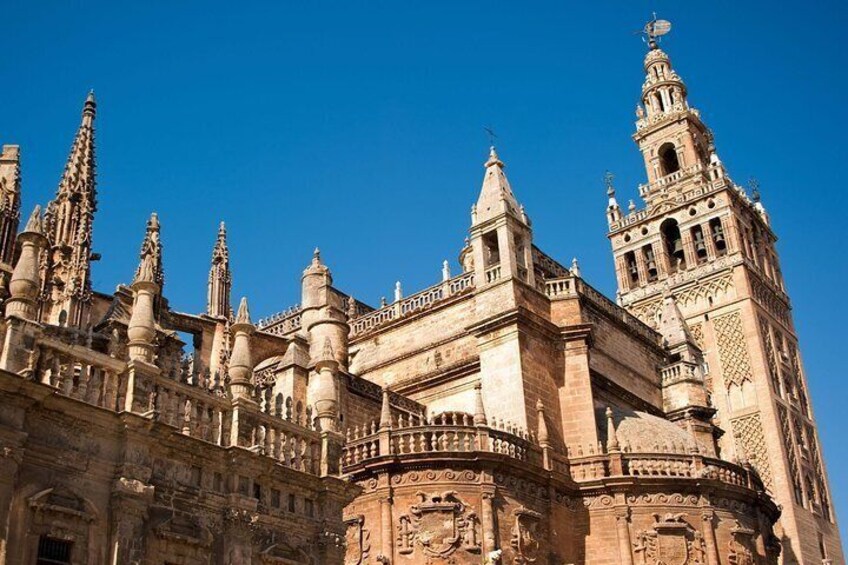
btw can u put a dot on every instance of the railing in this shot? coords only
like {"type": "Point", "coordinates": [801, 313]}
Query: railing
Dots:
{"type": "Point", "coordinates": [561, 288]}
{"type": "Point", "coordinates": [412, 304]}
{"type": "Point", "coordinates": [493, 274]}
{"type": "Point", "coordinates": [571, 287]}
{"type": "Point", "coordinates": [281, 323]}
{"type": "Point", "coordinates": [448, 433]}
{"type": "Point", "coordinates": [77, 372]}
{"type": "Point", "coordinates": [192, 402]}
{"type": "Point", "coordinates": [669, 465]}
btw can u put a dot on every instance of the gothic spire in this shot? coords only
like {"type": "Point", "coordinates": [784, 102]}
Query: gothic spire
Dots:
{"type": "Point", "coordinates": [152, 247]}
{"type": "Point", "coordinates": [220, 278]}
{"type": "Point", "coordinates": [10, 201]}
{"type": "Point", "coordinates": [496, 195]}
{"type": "Point", "coordinates": [68, 226]}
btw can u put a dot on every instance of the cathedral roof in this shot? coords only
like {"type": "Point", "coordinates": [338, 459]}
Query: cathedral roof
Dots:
{"type": "Point", "coordinates": [639, 431]}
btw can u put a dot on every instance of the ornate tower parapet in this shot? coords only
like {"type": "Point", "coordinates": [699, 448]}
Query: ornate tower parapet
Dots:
{"type": "Point", "coordinates": [68, 226]}
{"type": "Point", "coordinates": [322, 312]}
{"type": "Point", "coordinates": [26, 277]}
{"type": "Point", "coordinates": [241, 363]}
{"type": "Point", "coordinates": [220, 278]}
{"type": "Point", "coordinates": [10, 201]}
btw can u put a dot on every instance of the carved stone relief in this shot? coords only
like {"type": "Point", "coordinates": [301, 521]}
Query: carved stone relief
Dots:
{"type": "Point", "coordinates": [670, 541]}
{"type": "Point", "coordinates": [438, 525]}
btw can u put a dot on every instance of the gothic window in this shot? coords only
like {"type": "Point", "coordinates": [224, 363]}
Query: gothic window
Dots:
{"type": "Point", "coordinates": [668, 159]}
{"type": "Point", "coordinates": [52, 551]}
{"type": "Point", "coordinates": [673, 244]}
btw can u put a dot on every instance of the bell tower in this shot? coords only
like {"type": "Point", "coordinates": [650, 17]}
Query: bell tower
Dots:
{"type": "Point", "coordinates": [701, 239]}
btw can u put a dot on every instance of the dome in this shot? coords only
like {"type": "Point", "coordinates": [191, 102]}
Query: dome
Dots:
{"type": "Point", "coordinates": [640, 431]}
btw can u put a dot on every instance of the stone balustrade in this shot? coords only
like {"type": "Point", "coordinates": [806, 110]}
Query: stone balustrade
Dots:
{"type": "Point", "coordinates": [191, 402]}
{"type": "Point", "coordinates": [616, 463]}
{"type": "Point", "coordinates": [281, 323]}
{"type": "Point", "coordinates": [493, 274]}
{"type": "Point", "coordinates": [573, 287]}
{"type": "Point", "coordinates": [412, 304]}
{"type": "Point", "coordinates": [450, 433]}
{"type": "Point", "coordinates": [77, 372]}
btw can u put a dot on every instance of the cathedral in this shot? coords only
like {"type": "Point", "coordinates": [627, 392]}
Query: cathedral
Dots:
{"type": "Point", "coordinates": [509, 414]}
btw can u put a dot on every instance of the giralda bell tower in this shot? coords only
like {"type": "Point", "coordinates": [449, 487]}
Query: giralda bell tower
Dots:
{"type": "Point", "coordinates": [701, 238]}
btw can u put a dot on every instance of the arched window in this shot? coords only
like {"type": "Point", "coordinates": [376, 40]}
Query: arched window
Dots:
{"type": "Point", "coordinates": [668, 159]}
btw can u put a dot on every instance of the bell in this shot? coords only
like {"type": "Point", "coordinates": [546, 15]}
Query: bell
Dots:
{"type": "Point", "coordinates": [700, 248]}
{"type": "Point", "coordinates": [718, 234]}
{"type": "Point", "coordinates": [677, 248]}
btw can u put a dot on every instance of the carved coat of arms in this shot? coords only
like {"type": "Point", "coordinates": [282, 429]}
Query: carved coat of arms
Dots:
{"type": "Point", "coordinates": [670, 541]}
{"type": "Point", "coordinates": [357, 541]}
{"type": "Point", "coordinates": [438, 525]}
{"type": "Point", "coordinates": [525, 537]}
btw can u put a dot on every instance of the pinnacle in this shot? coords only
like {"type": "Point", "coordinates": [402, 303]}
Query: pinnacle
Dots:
{"type": "Point", "coordinates": [243, 316]}
{"type": "Point", "coordinates": [493, 158]}
{"type": "Point", "coordinates": [34, 223]}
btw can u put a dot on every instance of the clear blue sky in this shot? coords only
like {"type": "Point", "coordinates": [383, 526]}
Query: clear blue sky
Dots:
{"type": "Point", "coordinates": [357, 127]}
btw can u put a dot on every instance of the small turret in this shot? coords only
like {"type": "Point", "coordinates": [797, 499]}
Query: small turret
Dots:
{"type": "Point", "coordinates": [26, 278]}
{"type": "Point", "coordinates": [323, 313]}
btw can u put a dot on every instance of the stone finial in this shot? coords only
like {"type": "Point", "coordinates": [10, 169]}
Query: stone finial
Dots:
{"type": "Point", "coordinates": [398, 292]}
{"type": "Point", "coordinates": [34, 224]}
{"type": "Point", "coordinates": [479, 410]}
{"type": "Point", "coordinates": [446, 274]}
{"type": "Point", "coordinates": [493, 158]}
{"type": "Point", "coordinates": [316, 257]}
{"type": "Point", "coordinates": [144, 273]}
{"type": "Point", "coordinates": [151, 247]}
{"type": "Point", "coordinates": [243, 315]}
{"type": "Point", "coordinates": [352, 312]}
{"type": "Point", "coordinates": [542, 431]}
{"type": "Point", "coordinates": [575, 267]}
{"type": "Point", "coordinates": [631, 206]}
{"type": "Point", "coordinates": [612, 438]}
{"type": "Point", "coordinates": [383, 302]}
{"type": "Point", "coordinates": [26, 276]}
{"type": "Point", "coordinates": [385, 411]}
{"type": "Point", "coordinates": [241, 363]}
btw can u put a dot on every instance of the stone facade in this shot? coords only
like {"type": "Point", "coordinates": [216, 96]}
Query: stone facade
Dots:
{"type": "Point", "coordinates": [510, 413]}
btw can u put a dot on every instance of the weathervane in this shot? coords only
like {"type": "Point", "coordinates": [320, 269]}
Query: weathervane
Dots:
{"type": "Point", "coordinates": [754, 185]}
{"type": "Point", "coordinates": [608, 178]}
{"type": "Point", "coordinates": [655, 29]}
{"type": "Point", "coordinates": [491, 133]}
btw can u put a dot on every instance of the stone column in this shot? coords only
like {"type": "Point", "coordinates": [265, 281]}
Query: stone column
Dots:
{"type": "Point", "coordinates": [386, 529]}
{"type": "Point", "coordinates": [710, 537]}
{"type": "Point", "coordinates": [130, 501]}
{"type": "Point", "coordinates": [10, 461]}
{"type": "Point", "coordinates": [622, 528]}
{"type": "Point", "coordinates": [487, 519]}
